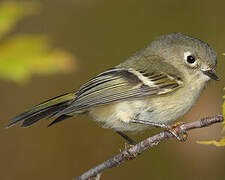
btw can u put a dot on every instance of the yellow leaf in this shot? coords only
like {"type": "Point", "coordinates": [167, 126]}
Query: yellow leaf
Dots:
{"type": "Point", "coordinates": [21, 56]}
{"type": "Point", "coordinates": [224, 112]}
{"type": "Point", "coordinates": [221, 142]}
{"type": "Point", "coordinates": [11, 13]}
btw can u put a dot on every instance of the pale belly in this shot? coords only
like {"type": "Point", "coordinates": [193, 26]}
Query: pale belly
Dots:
{"type": "Point", "coordinates": [162, 109]}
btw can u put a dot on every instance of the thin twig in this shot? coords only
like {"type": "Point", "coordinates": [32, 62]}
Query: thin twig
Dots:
{"type": "Point", "coordinates": [132, 152]}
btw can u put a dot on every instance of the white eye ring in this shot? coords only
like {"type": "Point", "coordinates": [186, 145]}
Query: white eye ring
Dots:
{"type": "Point", "coordinates": [189, 59]}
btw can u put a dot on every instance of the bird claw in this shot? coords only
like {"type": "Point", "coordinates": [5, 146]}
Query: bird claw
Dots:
{"type": "Point", "coordinates": [128, 146]}
{"type": "Point", "coordinates": [128, 155]}
{"type": "Point", "coordinates": [179, 137]}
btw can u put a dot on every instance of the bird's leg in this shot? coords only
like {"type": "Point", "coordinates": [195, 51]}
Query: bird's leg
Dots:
{"type": "Point", "coordinates": [169, 128]}
{"type": "Point", "coordinates": [130, 141]}
{"type": "Point", "coordinates": [179, 137]}
{"type": "Point", "coordinates": [154, 124]}
{"type": "Point", "coordinates": [128, 145]}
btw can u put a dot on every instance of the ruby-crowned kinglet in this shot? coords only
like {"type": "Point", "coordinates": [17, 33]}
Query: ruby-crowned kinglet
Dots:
{"type": "Point", "coordinates": [158, 84]}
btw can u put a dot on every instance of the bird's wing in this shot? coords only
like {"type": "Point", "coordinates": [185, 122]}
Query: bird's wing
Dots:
{"type": "Point", "coordinates": [119, 84]}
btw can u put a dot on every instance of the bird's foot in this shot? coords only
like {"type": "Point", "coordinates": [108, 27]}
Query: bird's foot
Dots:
{"type": "Point", "coordinates": [128, 155]}
{"type": "Point", "coordinates": [128, 145]}
{"type": "Point", "coordinates": [172, 129]}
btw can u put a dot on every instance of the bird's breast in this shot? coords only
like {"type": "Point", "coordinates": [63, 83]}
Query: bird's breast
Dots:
{"type": "Point", "coordinates": [117, 115]}
{"type": "Point", "coordinates": [162, 109]}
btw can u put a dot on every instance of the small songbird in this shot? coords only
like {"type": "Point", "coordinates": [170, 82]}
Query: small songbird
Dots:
{"type": "Point", "coordinates": [155, 86]}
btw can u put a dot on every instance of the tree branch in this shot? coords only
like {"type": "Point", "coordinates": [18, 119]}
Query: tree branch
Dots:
{"type": "Point", "coordinates": [131, 153]}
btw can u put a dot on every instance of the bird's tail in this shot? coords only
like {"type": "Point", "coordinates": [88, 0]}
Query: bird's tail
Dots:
{"type": "Point", "coordinates": [45, 109]}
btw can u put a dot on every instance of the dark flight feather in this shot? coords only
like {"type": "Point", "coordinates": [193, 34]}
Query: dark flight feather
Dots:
{"type": "Point", "coordinates": [59, 119]}
{"type": "Point", "coordinates": [119, 84]}
{"type": "Point", "coordinates": [111, 86]}
{"type": "Point", "coordinates": [43, 110]}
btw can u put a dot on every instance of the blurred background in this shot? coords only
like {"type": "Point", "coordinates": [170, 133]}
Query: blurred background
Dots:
{"type": "Point", "coordinates": [50, 47]}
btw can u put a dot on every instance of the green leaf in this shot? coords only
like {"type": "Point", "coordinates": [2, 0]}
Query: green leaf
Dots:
{"type": "Point", "coordinates": [24, 55]}
{"type": "Point", "coordinates": [11, 13]}
{"type": "Point", "coordinates": [21, 56]}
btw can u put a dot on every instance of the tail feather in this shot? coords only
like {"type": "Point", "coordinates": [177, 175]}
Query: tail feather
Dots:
{"type": "Point", "coordinates": [43, 110]}
{"type": "Point", "coordinates": [42, 114]}
{"type": "Point", "coordinates": [59, 119]}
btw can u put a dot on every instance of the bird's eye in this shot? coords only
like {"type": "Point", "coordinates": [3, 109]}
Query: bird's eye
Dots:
{"type": "Point", "coordinates": [190, 59]}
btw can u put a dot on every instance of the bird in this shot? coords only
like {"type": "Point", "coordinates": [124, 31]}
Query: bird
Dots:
{"type": "Point", "coordinates": [153, 87]}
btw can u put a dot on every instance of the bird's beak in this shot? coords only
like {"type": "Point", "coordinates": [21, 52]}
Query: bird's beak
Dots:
{"type": "Point", "coordinates": [211, 74]}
